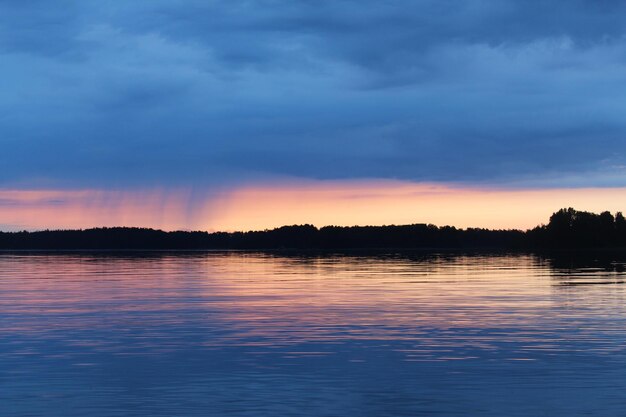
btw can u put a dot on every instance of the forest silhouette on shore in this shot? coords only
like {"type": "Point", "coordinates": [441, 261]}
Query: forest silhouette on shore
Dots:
{"type": "Point", "coordinates": [566, 229]}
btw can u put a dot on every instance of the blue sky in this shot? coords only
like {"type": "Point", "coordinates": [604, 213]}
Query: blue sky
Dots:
{"type": "Point", "coordinates": [124, 94]}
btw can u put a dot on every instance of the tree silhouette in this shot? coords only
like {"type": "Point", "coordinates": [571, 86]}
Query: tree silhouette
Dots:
{"type": "Point", "coordinates": [566, 229]}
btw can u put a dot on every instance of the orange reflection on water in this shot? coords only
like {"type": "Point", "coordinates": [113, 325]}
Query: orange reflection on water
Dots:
{"type": "Point", "coordinates": [207, 324]}
{"type": "Point", "coordinates": [428, 305]}
{"type": "Point", "coordinates": [281, 299]}
{"type": "Point", "coordinates": [375, 297]}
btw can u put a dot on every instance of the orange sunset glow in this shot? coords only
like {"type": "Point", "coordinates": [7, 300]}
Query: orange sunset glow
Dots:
{"type": "Point", "coordinates": [318, 203]}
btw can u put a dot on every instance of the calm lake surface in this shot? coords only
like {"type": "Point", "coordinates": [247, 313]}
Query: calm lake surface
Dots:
{"type": "Point", "coordinates": [249, 334]}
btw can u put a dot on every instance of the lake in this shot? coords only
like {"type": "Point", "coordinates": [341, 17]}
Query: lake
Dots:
{"type": "Point", "coordinates": [262, 334]}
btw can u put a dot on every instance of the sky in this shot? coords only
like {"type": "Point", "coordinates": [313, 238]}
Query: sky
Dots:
{"type": "Point", "coordinates": [251, 114]}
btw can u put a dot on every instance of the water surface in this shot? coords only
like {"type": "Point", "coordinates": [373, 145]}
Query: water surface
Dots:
{"type": "Point", "coordinates": [250, 334]}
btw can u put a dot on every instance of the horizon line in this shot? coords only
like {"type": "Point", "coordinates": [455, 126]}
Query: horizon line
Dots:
{"type": "Point", "coordinates": [294, 225]}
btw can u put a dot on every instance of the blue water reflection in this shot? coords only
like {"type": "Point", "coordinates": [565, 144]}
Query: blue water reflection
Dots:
{"type": "Point", "coordinates": [251, 334]}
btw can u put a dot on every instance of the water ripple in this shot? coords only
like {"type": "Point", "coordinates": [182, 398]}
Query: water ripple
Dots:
{"type": "Point", "coordinates": [253, 334]}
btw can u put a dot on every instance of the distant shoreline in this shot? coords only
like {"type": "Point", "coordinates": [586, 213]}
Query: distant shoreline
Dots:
{"type": "Point", "coordinates": [567, 229]}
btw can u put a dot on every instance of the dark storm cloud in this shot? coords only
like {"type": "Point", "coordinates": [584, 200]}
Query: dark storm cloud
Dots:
{"type": "Point", "coordinates": [194, 92]}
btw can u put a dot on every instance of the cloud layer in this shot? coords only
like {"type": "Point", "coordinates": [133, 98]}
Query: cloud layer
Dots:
{"type": "Point", "coordinates": [171, 93]}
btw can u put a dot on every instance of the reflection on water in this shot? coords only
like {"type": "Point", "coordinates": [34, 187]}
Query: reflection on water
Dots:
{"type": "Point", "coordinates": [245, 334]}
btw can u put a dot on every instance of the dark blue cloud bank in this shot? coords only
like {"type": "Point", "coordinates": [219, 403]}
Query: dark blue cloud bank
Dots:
{"type": "Point", "coordinates": [132, 93]}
